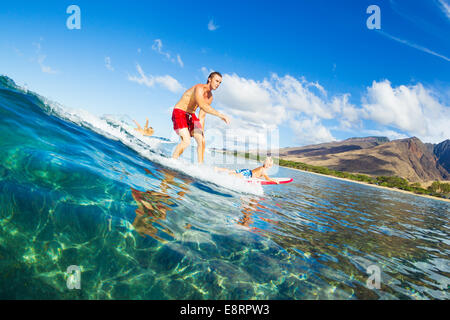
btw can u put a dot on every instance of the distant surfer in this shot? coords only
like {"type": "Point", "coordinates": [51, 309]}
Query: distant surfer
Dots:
{"type": "Point", "coordinates": [147, 131]}
{"type": "Point", "coordinates": [185, 122]}
{"type": "Point", "coordinates": [255, 173]}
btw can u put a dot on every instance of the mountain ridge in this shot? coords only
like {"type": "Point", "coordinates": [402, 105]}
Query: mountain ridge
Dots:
{"type": "Point", "coordinates": [408, 158]}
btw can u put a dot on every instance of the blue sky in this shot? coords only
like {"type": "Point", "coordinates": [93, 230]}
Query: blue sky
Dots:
{"type": "Point", "coordinates": [310, 70]}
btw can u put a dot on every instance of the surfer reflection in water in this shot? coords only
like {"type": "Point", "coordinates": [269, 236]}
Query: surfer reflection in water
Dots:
{"type": "Point", "coordinates": [255, 173]}
{"type": "Point", "coordinates": [153, 206]}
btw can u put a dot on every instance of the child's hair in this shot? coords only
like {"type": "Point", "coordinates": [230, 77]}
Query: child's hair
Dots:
{"type": "Point", "coordinates": [268, 162]}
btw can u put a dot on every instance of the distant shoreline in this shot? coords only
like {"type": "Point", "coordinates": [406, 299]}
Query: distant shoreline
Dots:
{"type": "Point", "coordinates": [392, 188]}
{"type": "Point", "coordinates": [370, 185]}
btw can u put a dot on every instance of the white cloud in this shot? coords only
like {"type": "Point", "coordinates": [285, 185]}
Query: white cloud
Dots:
{"type": "Point", "coordinates": [349, 114]}
{"type": "Point", "coordinates": [108, 64]}
{"type": "Point", "coordinates": [240, 134]}
{"type": "Point", "coordinates": [150, 81]}
{"type": "Point", "coordinates": [41, 59]}
{"type": "Point", "coordinates": [45, 68]}
{"type": "Point", "coordinates": [180, 62]}
{"type": "Point", "coordinates": [270, 102]}
{"type": "Point", "coordinates": [391, 134]}
{"type": "Point", "coordinates": [212, 26]}
{"type": "Point", "coordinates": [157, 46]}
{"type": "Point", "coordinates": [414, 110]}
{"type": "Point", "coordinates": [298, 94]}
{"type": "Point", "coordinates": [17, 51]}
{"type": "Point", "coordinates": [249, 100]}
{"type": "Point", "coordinates": [170, 83]}
{"type": "Point", "coordinates": [256, 107]}
{"type": "Point", "coordinates": [205, 71]}
{"type": "Point", "coordinates": [264, 105]}
{"type": "Point", "coordinates": [311, 131]}
{"type": "Point", "coordinates": [420, 20]}
{"type": "Point", "coordinates": [415, 46]}
{"type": "Point", "coordinates": [445, 7]}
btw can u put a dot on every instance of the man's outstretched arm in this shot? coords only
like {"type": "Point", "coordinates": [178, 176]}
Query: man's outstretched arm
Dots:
{"type": "Point", "coordinates": [206, 107]}
{"type": "Point", "coordinates": [269, 178]}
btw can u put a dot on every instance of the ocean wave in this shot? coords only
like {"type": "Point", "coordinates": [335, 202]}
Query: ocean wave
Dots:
{"type": "Point", "coordinates": [120, 128]}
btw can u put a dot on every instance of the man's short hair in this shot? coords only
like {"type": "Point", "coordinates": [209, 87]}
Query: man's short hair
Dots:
{"type": "Point", "coordinates": [212, 74]}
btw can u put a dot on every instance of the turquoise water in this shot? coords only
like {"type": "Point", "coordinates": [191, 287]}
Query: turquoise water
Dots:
{"type": "Point", "coordinates": [86, 192]}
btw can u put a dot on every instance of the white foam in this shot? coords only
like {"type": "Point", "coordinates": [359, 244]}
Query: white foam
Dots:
{"type": "Point", "coordinates": [206, 173]}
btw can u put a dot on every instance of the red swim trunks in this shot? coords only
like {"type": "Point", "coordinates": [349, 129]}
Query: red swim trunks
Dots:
{"type": "Point", "coordinates": [182, 119]}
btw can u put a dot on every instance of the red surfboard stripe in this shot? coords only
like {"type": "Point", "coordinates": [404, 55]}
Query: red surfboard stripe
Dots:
{"type": "Point", "coordinates": [265, 182]}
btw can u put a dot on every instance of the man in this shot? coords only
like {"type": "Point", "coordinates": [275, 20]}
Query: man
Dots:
{"type": "Point", "coordinates": [185, 122]}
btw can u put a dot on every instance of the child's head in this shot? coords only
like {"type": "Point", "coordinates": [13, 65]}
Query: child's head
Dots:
{"type": "Point", "coordinates": [268, 162]}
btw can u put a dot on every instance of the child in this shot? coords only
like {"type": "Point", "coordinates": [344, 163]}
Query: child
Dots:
{"type": "Point", "coordinates": [255, 173]}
